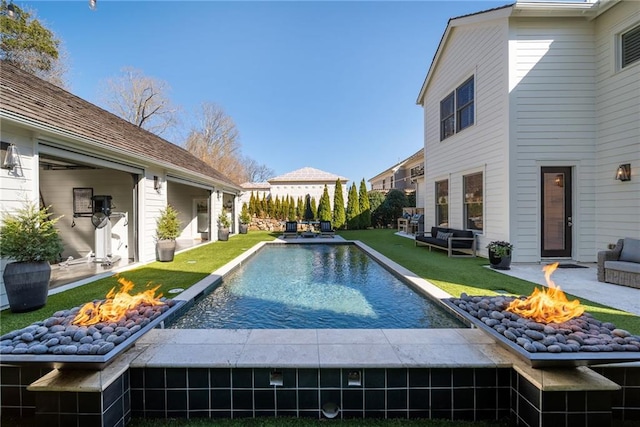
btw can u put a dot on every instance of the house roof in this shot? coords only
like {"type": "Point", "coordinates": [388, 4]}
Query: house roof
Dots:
{"type": "Point", "coordinates": [307, 174]}
{"type": "Point", "coordinates": [256, 185]}
{"type": "Point", "coordinates": [397, 166]}
{"type": "Point", "coordinates": [587, 9]}
{"type": "Point", "coordinates": [29, 100]}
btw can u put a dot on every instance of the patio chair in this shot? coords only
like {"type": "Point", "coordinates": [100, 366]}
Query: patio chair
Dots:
{"type": "Point", "coordinates": [326, 230]}
{"type": "Point", "coordinates": [290, 229]}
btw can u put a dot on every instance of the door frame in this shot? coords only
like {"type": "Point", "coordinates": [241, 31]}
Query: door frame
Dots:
{"type": "Point", "coordinates": [566, 182]}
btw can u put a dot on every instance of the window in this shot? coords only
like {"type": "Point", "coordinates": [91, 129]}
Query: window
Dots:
{"type": "Point", "coordinates": [630, 44]}
{"type": "Point", "coordinates": [456, 110]}
{"type": "Point", "coordinates": [393, 182]}
{"type": "Point", "coordinates": [442, 203]}
{"type": "Point", "coordinates": [473, 201]}
{"type": "Point", "coordinates": [447, 118]}
{"type": "Point", "coordinates": [384, 184]}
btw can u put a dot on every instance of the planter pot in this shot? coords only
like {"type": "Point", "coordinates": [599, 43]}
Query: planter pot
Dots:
{"type": "Point", "coordinates": [165, 249]}
{"type": "Point", "coordinates": [223, 234]}
{"type": "Point", "coordinates": [27, 285]}
{"type": "Point", "coordinates": [244, 228]}
{"type": "Point", "coordinates": [499, 263]}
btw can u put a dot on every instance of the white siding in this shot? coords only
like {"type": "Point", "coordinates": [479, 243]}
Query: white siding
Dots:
{"type": "Point", "coordinates": [552, 119]}
{"type": "Point", "coordinates": [479, 50]}
{"type": "Point", "coordinates": [617, 204]}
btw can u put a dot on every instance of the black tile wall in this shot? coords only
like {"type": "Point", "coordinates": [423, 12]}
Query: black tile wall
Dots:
{"type": "Point", "coordinates": [459, 394]}
{"type": "Point", "coordinates": [626, 401]}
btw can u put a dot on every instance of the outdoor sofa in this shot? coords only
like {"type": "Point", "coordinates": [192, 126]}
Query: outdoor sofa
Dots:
{"type": "Point", "coordinates": [621, 265]}
{"type": "Point", "coordinates": [457, 243]}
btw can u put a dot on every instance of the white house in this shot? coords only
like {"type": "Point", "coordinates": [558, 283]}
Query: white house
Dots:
{"type": "Point", "coordinates": [66, 153]}
{"type": "Point", "coordinates": [298, 184]}
{"type": "Point", "coordinates": [530, 109]}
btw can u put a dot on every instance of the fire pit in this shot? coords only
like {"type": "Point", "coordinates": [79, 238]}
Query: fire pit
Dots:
{"type": "Point", "coordinates": [91, 336]}
{"type": "Point", "coordinates": [546, 329]}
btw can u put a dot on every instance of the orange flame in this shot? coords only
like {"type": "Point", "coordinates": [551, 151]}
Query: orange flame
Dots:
{"type": "Point", "coordinates": [547, 305]}
{"type": "Point", "coordinates": [116, 305]}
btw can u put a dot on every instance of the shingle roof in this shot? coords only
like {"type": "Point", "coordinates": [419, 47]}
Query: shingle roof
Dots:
{"type": "Point", "coordinates": [255, 185]}
{"type": "Point", "coordinates": [307, 174]}
{"type": "Point", "coordinates": [38, 101]}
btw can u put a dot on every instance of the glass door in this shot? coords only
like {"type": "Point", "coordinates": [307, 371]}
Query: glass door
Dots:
{"type": "Point", "coordinates": [557, 216]}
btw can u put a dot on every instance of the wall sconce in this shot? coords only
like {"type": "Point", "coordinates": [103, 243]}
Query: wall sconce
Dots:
{"type": "Point", "coordinates": [624, 172]}
{"type": "Point", "coordinates": [12, 158]}
{"type": "Point", "coordinates": [218, 194]}
{"type": "Point", "coordinates": [157, 184]}
{"type": "Point", "coordinates": [559, 180]}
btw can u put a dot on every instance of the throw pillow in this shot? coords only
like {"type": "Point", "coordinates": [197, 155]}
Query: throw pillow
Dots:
{"type": "Point", "coordinates": [630, 250]}
{"type": "Point", "coordinates": [443, 236]}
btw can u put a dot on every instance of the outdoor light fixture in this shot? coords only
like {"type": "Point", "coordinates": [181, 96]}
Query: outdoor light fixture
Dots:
{"type": "Point", "coordinates": [157, 184]}
{"type": "Point", "coordinates": [218, 194]}
{"type": "Point", "coordinates": [624, 172]}
{"type": "Point", "coordinates": [93, 4]}
{"type": "Point", "coordinates": [559, 180]}
{"type": "Point", "coordinates": [12, 158]}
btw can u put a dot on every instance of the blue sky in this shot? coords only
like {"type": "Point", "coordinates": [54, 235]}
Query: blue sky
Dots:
{"type": "Point", "coordinates": [329, 85]}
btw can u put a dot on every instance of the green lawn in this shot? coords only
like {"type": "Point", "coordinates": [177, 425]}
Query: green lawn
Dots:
{"type": "Point", "coordinates": [454, 275]}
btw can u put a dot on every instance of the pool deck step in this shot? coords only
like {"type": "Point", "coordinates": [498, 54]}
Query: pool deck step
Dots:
{"type": "Point", "coordinates": [320, 348]}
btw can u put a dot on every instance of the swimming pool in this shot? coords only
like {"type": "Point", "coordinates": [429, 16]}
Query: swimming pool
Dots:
{"type": "Point", "coordinates": [319, 286]}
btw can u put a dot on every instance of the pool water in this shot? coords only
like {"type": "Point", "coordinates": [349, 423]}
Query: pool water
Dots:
{"type": "Point", "coordinates": [313, 286]}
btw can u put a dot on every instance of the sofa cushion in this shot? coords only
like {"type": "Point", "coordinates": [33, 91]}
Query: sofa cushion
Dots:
{"type": "Point", "coordinates": [629, 267]}
{"type": "Point", "coordinates": [630, 250]}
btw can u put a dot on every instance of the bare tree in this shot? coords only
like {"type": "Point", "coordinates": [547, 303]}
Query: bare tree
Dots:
{"type": "Point", "coordinates": [141, 100]}
{"type": "Point", "coordinates": [256, 172]}
{"type": "Point", "coordinates": [216, 141]}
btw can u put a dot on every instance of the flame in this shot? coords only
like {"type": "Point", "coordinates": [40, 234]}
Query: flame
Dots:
{"type": "Point", "coordinates": [547, 305]}
{"type": "Point", "coordinates": [116, 305]}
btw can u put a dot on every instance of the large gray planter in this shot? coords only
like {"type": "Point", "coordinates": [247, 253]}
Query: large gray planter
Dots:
{"type": "Point", "coordinates": [27, 285]}
{"type": "Point", "coordinates": [223, 234]}
{"type": "Point", "coordinates": [165, 250]}
{"type": "Point", "coordinates": [244, 228]}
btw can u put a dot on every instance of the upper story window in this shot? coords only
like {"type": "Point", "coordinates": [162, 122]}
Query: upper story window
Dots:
{"type": "Point", "coordinates": [456, 110]}
{"type": "Point", "coordinates": [630, 46]}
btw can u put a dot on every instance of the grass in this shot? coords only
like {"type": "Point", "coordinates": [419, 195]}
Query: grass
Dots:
{"type": "Point", "coordinates": [453, 275]}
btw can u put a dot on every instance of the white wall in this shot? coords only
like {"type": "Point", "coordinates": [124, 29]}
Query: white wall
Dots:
{"type": "Point", "coordinates": [478, 50]}
{"type": "Point", "coordinates": [617, 204]}
{"type": "Point", "coordinates": [552, 120]}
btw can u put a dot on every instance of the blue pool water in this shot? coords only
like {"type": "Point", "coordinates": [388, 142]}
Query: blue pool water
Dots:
{"type": "Point", "coordinates": [313, 286]}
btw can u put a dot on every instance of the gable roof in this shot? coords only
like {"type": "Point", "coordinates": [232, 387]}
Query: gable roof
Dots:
{"type": "Point", "coordinates": [307, 174]}
{"type": "Point", "coordinates": [27, 99]}
{"type": "Point", "coordinates": [587, 9]}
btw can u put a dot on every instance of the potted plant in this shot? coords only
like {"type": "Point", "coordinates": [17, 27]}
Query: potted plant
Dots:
{"type": "Point", "coordinates": [500, 254]}
{"type": "Point", "coordinates": [30, 239]}
{"type": "Point", "coordinates": [224, 223]}
{"type": "Point", "coordinates": [167, 231]}
{"type": "Point", "coordinates": [245, 219]}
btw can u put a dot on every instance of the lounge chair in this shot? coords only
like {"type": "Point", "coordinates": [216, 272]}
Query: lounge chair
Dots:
{"type": "Point", "coordinates": [326, 230]}
{"type": "Point", "coordinates": [290, 229]}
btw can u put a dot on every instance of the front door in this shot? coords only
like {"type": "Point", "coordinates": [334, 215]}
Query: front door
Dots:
{"type": "Point", "coordinates": [557, 215]}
